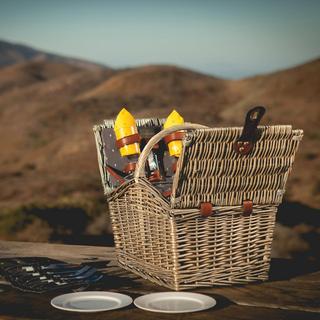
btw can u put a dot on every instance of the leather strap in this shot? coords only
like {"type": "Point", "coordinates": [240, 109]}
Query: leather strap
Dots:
{"type": "Point", "coordinates": [247, 206]}
{"type": "Point", "coordinates": [248, 137]}
{"type": "Point", "coordinates": [167, 193]}
{"type": "Point", "coordinates": [174, 136]}
{"type": "Point", "coordinates": [128, 140]}
{"type": "Point", "coordinates": [115, 175]}
{"type": "Point", "coordinates": [155, 176]}
{"type": "Point", "coordinates": [243, 147]}
{"type": "Point", "coordinates": [174, 167]}
{"type": "Point", "coordinates": [130, 167]}
{"type": "Point", "coordinates": [206, 209]}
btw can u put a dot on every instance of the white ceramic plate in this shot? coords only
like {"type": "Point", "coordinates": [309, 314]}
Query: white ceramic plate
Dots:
{"type": "Point", "coordinates": [91, 301]}
{"type": "Point", "coordinates": [175, 302]}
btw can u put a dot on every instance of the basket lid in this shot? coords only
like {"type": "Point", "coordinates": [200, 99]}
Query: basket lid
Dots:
{"type": "Point", "coordinates": [210, 171]}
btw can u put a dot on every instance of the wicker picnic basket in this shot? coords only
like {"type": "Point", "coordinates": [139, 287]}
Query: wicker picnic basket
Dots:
{"type": "Point", "coordinates": [171, 242]}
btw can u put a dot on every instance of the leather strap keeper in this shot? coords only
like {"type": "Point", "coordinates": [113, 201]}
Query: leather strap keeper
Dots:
{"type": "Point", "coordinates": [206, 209]}
{"type": "Point", "coordinates": [115, 175]}
{"type": "Point", "coordinates": [130, 167]}
{"type": "Point", "coordinates": [128, 140]}
{"type": "Point", "coordinates": [174, 167]}
{"type": "Point", "coordinates": [174, 136]}
{"type": "Point", "coordinates": [249, 135]}
{"type": "Point", "coordinates": [155, 176]}
{"type": "Point", "coordinates": [167, 193]}
{"type": "Point", "coordinates": [243, 147]}
{"type": "Point", "coordinates": [247, 207]}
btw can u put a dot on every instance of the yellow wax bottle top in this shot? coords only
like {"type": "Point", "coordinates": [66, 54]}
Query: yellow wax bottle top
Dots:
{"type": "Point", "coordinates": [124, 126]}
{"type": "Point", "coordinates": [174, 119]}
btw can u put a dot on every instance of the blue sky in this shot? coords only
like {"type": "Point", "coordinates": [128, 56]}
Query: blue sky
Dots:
{"type": "Point", "coordinates": [227, 38]}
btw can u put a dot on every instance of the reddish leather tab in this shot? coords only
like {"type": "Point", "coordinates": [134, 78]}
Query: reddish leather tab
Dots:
{"type": "Point", "coordinates": [247, 207]}
{"type": "Point", "coordinates": [243, 147]}
{"type": "Point", "coordinates": [130, 167]}
{"type": "Point", "coordinates": [174, 167]}
{"type": "Point", "coordinates": [115, 175]}
{"type": "Point", "coordinates": [174, 136]}
{"type": "Point", "coordinates": [128, 140]}
{"type": "Point", "coordinates": [167, 193]}
{"type": "Point", "coordinates": [206, 209]}
{"type": "Point", "coordinates": [155, 176]}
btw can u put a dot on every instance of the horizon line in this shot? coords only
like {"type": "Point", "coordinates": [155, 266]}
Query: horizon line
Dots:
{"type": "Point", "coordinates": [133, 66]}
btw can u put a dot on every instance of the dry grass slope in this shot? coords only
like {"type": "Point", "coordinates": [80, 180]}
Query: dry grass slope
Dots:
{"type": "Point", "coordinates": [48, 108]}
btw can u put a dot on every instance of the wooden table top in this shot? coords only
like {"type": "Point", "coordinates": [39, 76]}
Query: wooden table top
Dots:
{"type": "Point", "coordinates": [293, 291]}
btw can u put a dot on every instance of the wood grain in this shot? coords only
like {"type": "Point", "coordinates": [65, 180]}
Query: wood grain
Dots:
{"type": "Point", "coordinates": [292, 295]}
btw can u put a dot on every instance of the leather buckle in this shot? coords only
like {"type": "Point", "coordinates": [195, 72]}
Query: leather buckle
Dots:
{"type": "Point", "coordinates": [128, 140]}
{"type": "Point", "coordinates": [247, 207]}
{"type": "Point", "coordinates": [174, 136]}
{"type": "Point", "coordinates": [206, 209]}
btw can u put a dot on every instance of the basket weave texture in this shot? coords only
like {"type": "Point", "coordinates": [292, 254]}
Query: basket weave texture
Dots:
{"type": "Point", "coordinates": [171, 244]}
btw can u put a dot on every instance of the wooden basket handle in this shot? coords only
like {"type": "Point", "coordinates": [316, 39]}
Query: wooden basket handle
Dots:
{"type": "Point", "coordinates": [140, 167]}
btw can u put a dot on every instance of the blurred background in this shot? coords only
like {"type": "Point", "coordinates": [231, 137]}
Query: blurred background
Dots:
{"type": "Point", "coordinates": [67, 65]}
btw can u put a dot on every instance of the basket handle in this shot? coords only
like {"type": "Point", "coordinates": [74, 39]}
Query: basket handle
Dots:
{"type": "Point", "coordinates": [140, 167]}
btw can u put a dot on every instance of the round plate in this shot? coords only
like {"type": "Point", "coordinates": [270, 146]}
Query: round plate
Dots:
{"type": "Point", "coordinates": [91, 301]}
{"type": "Point", "coordinates": [175, 302]}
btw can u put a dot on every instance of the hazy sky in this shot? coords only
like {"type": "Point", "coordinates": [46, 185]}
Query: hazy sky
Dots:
{"type": "Point", "coordinates": [226, 38]}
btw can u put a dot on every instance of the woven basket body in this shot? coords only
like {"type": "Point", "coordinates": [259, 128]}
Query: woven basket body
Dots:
{"type": "Point", "coordinates": [170, 243]}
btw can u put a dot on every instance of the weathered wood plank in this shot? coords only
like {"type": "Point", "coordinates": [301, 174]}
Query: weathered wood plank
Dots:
{"type": "Point", "coordinates": [285, 295]}
{"type": "Point", "coordinates": [292, 286]}
{"type": "Point", "coordinates": [26, 306]}
{"type": "Point", "coordinates": [69, 253]}
{"type": "Point", "coordinates": [297, 293]}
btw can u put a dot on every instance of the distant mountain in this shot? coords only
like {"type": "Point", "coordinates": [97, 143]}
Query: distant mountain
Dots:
{"type": "Point", "coordinates": [48, 106]}
{"type": "Point", "coordinates": [12, 53]}
{"type": "Point", "coordinates": [47, 110]}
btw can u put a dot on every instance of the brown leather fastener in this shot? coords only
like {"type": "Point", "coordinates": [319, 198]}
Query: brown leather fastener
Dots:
{"type": "Point", "coordinates": [174, 136]}
{"type": "Point", "coordinates": [247, 207]}
{"type": "Point", "coordinates": [130, 167]}
{"type": "Point", "coordinates": [167, 193]}
{"type": "Point", "coordinates": [115, 175]}
{"type": "Point", "coordinates": [128, 140]}
{"type": "Point", "coordinates": [206, 209]}
{"type": "Point", "coordinates": [155, 176]}
{"type": "Point", "coordinates": [243, 147]}
{"type": "Point", "coordinates": [174, 167]}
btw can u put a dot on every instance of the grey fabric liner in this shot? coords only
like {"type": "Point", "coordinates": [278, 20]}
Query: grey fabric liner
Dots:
{"type": "Point", "coordinates": [110, 155]}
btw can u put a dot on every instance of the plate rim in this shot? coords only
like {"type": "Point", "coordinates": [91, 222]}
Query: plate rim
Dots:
{"type": "Point", "coordinates": [213, 300]}
{"type": "Point", "coordinates": [130, 300]}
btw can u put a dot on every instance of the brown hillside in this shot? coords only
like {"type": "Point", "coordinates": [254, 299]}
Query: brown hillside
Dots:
{"type": "Point", "coordinates": [38, 122]}
{"type": "Point", "coordinates": [154, 90]}
{"type": "Point", "coordinates": [48, 109]}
